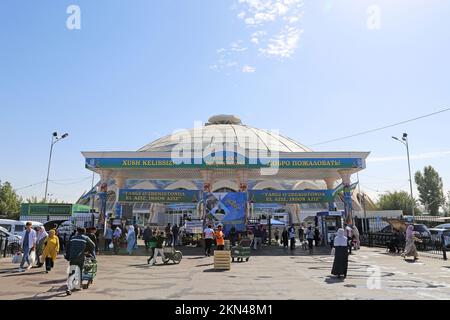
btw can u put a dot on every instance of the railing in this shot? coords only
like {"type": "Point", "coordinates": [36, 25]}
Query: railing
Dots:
{"type": "Point", "coordinates": [8, 247]}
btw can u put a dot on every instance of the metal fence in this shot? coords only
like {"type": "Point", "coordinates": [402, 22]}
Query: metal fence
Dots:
{"type": "Point", "coordinates": [8, 247]}
{"type": "Point", "coordinates": [377, 232]}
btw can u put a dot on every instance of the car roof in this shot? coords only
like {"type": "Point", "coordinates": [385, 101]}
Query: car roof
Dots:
{"type": "Point", "coordinates": [437, 229]}
{"type": "Point", "coordinates": [10, 221]}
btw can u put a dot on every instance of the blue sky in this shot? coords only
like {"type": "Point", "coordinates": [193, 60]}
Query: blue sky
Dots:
{"type": "Point", "coordinates": [137, 70]}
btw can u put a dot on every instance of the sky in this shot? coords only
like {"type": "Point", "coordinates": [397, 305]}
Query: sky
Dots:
{"type": "Point", "coordinates": [137, 70]}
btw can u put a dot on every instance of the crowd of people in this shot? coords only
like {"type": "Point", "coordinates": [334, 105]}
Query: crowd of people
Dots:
{"type": "Point", "coordinates": [39, 247]}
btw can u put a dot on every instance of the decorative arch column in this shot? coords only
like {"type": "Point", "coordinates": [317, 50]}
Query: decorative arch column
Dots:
{"type": "Point", "coordinates": [330, 186]}
{"type": "Point", "coordinates": [348, 207]}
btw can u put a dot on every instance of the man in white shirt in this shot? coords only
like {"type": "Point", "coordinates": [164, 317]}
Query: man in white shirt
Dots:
{"type": "Point", "coordinates": [208, 235]}
{"type": "Point", "coordinates": [28, 244]}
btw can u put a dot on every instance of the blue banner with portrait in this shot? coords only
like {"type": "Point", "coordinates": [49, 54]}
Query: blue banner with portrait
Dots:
{"type": "Point", "coordinates": [227, 209]}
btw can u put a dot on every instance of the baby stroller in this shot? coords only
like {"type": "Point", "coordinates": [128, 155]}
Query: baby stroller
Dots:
{"type": "Point", "coordinates": [89, 270]}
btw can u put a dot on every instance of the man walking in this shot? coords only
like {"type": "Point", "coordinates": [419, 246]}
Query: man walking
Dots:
{"type": "Point", "coordinates": [292, 236]}
{"type": "Point", "coordinates": [28, 245]}
{"type": "Point", "coordinates": [147, 236]}
{"type": "Point", "coordinates": [108, 237]}
{"type": "Point", "coordinates": [116, 239]}
{"type": "Point", "coordinates": [158, 250]}
{"type": "Point", "coordinates": [76, 248]}
{"type": "Point", "coordinates": [208, 235]}
{"type": "Point", "coordinates": [175, 233]}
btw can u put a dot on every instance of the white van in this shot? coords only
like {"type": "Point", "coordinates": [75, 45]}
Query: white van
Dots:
{"type": "Point", "coordinates": [17, 227]}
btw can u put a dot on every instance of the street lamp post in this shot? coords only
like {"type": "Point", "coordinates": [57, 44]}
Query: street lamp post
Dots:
{"type": "Point", "coordinates": [55, 139]}
{"type": "Point", "coordinates": [404, 141]}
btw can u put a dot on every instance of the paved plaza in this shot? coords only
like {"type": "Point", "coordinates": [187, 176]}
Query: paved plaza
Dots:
{"type": "Point", "coordinates": [272, 273]}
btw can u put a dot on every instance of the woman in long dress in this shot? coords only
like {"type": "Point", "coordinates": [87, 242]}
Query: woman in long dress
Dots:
{"type": "Point", "coordinates": [356, 238]}
{"type": "Point", "coordinates": [410, 247]}
{"type": "Point", "coordinates": [51, 250]}
{"type": "Point", "coordinates": [340, 262]}
{"type": "Point", "coordinates": [131, 238]}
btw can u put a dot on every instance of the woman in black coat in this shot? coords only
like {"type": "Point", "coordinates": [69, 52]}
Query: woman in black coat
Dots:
{"type": "Point", "coordinates": [285, 238]}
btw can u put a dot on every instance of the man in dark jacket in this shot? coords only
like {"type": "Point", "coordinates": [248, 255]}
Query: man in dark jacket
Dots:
{"type": "Point", "coordinates": [147, 236]}
{"type": "Point", "coordinates": [76, 248]}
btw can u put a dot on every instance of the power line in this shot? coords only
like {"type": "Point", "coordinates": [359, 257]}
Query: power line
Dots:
{"type": "Point", "coordinates": [381, 128]}
{"type": "Point", "coordinates": [31, 185]}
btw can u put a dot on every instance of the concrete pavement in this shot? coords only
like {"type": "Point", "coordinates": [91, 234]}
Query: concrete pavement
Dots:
{"type": "Point", "coordinates": [273, 273]}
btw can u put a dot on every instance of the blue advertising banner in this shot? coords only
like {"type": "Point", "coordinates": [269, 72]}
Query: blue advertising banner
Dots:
{"type": "Point", "coordinates": [161, 196]}
{"type": "Point", "coordinates": [225, 162]}
{"type": "Point", "coordinates": [226, 208]}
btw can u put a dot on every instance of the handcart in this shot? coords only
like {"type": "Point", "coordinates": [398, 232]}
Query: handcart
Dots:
{"type": "Point", "coordinates": [89, 270]}
{"type": "Point", "coordinates": [171, 254]}
{"type": "Point", "coordinates": [241, 251]}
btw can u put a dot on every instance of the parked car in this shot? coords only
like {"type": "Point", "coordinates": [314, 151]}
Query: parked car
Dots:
{"type": "Point", "coordinates": [13, 226]}
{"type": "Point", "coordinates": [436, 233]}
{"type": "Point", "coordinates": [10, 240]}
{"type": "Point", "coordinates": [443, 226]}
{"type": "Point", "coordinates": [420, 230]}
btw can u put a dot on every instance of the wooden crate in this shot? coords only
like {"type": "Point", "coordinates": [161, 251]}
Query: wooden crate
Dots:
{"type": "Point", "coordinates": [222, 259]}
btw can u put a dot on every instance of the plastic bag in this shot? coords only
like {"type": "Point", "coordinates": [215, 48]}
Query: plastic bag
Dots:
{"type": "Point", "coordinates": [111, 245]}
{"type": "Point", "coordinates": [32, 257]}
{"type": "Point", "coordinates": [17, 258]}
{"type": "Point", "coordinates": [333, 251]}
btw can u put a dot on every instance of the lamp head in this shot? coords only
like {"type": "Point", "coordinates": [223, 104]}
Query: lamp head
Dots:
{"type": "Point", "coordinates": [65, 135]}
{"type": "Point", "coordinates": [405, 135]}
{"type": "Point", "coordinates": [55, 134]}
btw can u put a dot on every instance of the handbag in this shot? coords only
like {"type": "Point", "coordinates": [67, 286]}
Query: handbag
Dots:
{"type": "Point", "coordinates": [333, 251]}
{"type": "Point", "coordinates": [17, 258]}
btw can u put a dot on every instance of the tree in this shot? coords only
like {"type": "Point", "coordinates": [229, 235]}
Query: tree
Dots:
{"type": "Point", "coordinates": [447, 205]}
{"type": "Point", "coordinates": [429, 185]}
{"type": "Point", "coordinates": [35, 199]}
{"type": "Point", "coordinates": [397, 200]}
{"type": "Point", "coordinates": [9, 201]}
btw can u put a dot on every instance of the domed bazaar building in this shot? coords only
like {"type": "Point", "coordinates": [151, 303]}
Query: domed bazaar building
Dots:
{"type": "Point", "coordinates": [223, 172]}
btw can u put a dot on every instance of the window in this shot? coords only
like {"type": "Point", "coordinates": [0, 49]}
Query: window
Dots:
{"type": "Point", "coordinates": [6, 226]}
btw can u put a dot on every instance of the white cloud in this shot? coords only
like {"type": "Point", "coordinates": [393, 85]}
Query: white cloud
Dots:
{"type": "Point", "coordinates": [284, 44]}
{"type": "Point", "coordinates": [275, 32]}
{"type": "Point", "coordinates": [241, 15]}
{"type": "Point", "coordinates": [249, 21]}
{"type": "Point", "coordinates": [248, 69]}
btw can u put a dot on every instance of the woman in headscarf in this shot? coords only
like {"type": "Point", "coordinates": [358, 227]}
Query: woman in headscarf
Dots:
{"type": "Point", "coordinates": [410, 247]}
{"type": "Point", "coordinates": [51, 250]}
{"type": "Point", "coordinates": [41, 236]}
{"type": "Point", "coordinates": [340, 263]}
{"type": "Point", "coordinates": [131, 238]}
{"type": "Point", "coordinates": [356, 238]}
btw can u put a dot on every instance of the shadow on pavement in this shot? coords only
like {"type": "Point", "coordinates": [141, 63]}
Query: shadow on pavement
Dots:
{"type": "Point", "coordinates": [333, 280]}
{"type": "Point", "coordinates": [215, 270]}
{"type": "Point", "coordinates": [204, 265]}
{"type": "Point", "coordinates": [54, 281]}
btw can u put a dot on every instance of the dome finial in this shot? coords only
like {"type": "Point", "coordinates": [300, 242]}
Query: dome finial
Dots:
{"type": "Point", "coordinates": [224, 119]}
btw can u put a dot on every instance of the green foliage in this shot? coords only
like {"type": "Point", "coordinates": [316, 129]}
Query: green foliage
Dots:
{"type": "Point", "coordinates": [447, 205]}
{"type": "Point", "coordinates": [398, 200]}
{"type": "Point", "coordinates": [430, 187]}
{"type": "Point", "coordinates": [35, 199]}
{"type": "Point", "coordinates": [9, 201]}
